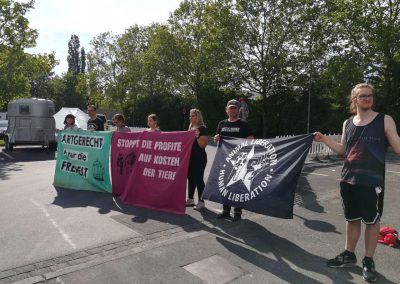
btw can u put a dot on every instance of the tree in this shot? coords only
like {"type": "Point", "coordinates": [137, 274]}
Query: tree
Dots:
{"type": "Point", "coordinates": [370, 29]}
{"type": "Point", "coordinates": [265, 46]}
{"type": "Point", "coordinates": [82, 61]}
{"type": "Point", "coordinates": [203, 37]}
{"type": "Point", "coordinates": [40, 74]}
{"type": "Point", "coordinates": [76, 58]}
{"type": "Point", "coordinates": [15, 36]}
{"type": "Point", "coordinates": [105, 70]}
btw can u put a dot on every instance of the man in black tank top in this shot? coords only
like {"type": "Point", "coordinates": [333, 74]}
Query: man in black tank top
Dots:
{"type": "Point", "coordinates": [365, 138]}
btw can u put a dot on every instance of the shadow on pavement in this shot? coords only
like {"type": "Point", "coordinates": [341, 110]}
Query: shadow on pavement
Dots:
{"type": "Point", "coordinates": [70, 198]}
{"type": "Point", "coordinates": [319, 226]}
{"type": "Point", "coordinates": [251, 241]}
{"type": "Point", "coordinates": [139, 219]}
{"type": "Point", "coordinates": [6, 168]}
{"type": "Point", "coordinates": [27, 154]}
{"type": "Point", "coordinates": [306, 197]}
{"type": "Point", "coordinates": [9, 159]}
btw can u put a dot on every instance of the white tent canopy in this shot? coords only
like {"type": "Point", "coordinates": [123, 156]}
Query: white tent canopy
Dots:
{"type": "Point", "coordinates": [81, 117]}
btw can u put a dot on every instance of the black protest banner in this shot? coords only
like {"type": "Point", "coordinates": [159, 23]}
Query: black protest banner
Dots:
{"type": "Point", "coordinates": [259, 175]}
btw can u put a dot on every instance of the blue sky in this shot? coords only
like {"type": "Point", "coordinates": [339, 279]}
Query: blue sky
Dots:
{"type": "Point", "coordinates": [57, 20]}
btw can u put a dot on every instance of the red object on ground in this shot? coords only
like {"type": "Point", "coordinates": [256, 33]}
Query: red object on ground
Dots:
{"type": "Point", "coordinates": [388, 236]}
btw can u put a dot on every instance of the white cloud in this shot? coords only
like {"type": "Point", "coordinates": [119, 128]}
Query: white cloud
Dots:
{"type": "Point", "coordinates": [57, 20]}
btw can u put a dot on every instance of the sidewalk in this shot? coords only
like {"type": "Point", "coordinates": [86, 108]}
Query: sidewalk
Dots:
{"type": "Point", "coordinates": [201, 249]}
{"type": "Point", "coordinates": [198, 248]}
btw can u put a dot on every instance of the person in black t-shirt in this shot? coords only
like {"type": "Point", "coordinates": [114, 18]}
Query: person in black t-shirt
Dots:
{"type": "Point", "coordinates": [233, 127]}
{"type": "Point", "coordinates": [94, 123]}
{"type": "Point", "coordinates": [198, 159]}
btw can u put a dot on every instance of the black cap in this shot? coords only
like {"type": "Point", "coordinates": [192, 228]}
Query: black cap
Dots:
{"type": "Point", "coordinates": [233, 103]}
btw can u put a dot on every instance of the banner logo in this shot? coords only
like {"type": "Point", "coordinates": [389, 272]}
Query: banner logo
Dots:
{"type": "Point", "coordinates": [249, 167]}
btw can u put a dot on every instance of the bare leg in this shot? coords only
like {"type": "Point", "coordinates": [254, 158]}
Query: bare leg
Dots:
{"type": "Point", "coordinates": [353, 232]}
{"type": "Point", "coordinates": [371, 239]}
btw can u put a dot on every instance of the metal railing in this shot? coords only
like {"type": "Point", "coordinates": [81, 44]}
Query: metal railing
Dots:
{"type": "Point", "coordinates": [319, 149]}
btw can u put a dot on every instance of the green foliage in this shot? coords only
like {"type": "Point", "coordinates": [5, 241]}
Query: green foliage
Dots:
{"type": "Point", "coordinates": [40, 72]}
{"type": "Point", "coordinates": [290, 54]}
{"type": "Point", "coordinates": [15, 33]}
{"type": "Point", "coordinates": [15, 36]}
{"type": "Point", "coordinates": [370, 29]}
{"type": "Point", "coordinates": [169, 110]}
{"type": "Point", "coordinates": [76, 58]}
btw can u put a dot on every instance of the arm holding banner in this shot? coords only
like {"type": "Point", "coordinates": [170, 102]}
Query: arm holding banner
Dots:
{"type": "Point", "coordinates": [391, 134]}
{"type": "Point", "coordinates": [338, 148]}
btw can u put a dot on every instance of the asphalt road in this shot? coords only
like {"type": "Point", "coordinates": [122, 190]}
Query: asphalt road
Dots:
{"type": "Point", "coordinates": [69, 236]}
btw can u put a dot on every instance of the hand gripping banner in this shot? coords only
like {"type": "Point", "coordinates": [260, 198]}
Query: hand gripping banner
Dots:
{"type": "Point", "coordinates": [259, 175]}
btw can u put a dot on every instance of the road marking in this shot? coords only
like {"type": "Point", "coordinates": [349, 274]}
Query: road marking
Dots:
{"type": "Point", "coordinates": [315, 174]}
{"type": "Point", "coordinates": [393, 172]}
{"type": "Point", "coordinates": [8, 156]}
{"type": "Point", "coordinates": [54, 223]}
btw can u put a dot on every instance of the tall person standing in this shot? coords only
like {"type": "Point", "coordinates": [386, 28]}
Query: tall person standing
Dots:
{"type": "Point", "coordinates": [364, 142]}
{"type": "Point", "coordinates": [233, 126]}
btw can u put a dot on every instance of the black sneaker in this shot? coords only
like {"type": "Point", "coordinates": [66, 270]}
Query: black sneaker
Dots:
{"type": "Point", "coordinates": [223, 215]}
{"type": "Point", "coordinates": [369, 272]}
{"type": "Point", "coordinates": [345, 259]}
{"type": "Point", "coordinates": [236, 217]}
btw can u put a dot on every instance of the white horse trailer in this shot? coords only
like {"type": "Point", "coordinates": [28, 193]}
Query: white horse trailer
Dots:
{"type": "Point", "coordinates": [31, 122]}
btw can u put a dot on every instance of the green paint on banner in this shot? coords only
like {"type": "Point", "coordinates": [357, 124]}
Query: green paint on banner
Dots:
{"type": "Point", "coordinates": [83, 160]}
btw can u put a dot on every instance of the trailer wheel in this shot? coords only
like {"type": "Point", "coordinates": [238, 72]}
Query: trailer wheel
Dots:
{"type": "Point", "coordinates": [9, 146]}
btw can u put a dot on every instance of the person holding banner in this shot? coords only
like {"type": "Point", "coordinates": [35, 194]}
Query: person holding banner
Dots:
{"type": "Point", "coordinates": [364, 142]}
{"type": "Point", "coordinates": [69, 122]}
{"type": "Point", "coordinates": [94, 123]}
{"type": "Point", "coordinates": [198, 159]}
{"type": "Point", "coordinates": [152, 123]}
{"type": "Point", "coordinates": [233, 127]}
{"type": "Point", "coordinates": [119, 122]}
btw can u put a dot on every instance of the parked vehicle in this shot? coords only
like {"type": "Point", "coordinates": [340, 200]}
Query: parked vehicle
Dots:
{"type": "Point", "coordinates": [30, 122]}
{"type": "Point", "coordinates": [3, 128]}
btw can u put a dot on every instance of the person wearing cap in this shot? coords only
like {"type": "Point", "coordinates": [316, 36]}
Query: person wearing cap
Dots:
{"type": "Point", "coordinates": [233, 126]}
{"type": "Point", "coordinates": [69, 122]}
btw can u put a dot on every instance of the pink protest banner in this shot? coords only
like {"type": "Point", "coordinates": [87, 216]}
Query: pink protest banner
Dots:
{"type": "Point", "coordinates": [149, 169]}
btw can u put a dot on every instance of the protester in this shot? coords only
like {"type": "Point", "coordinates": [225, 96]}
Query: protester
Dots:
{"type": "Point", "coordinates": [69, 122]}
{"type": "Point", "coordinates": [94, 123]}
{"type": "Point", "coordinates": [198, 159]}
{"type": "Point", "coordinates": [233, 127]}
{"type": "Point", "coordinates": [364, 142]}
{"type": "Point", "coordinates": [152, 123]}
{"type": "Point", "coordinates": [119, 122]}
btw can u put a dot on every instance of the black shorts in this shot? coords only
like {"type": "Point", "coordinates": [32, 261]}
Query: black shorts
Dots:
{"type": "Point", "coordinates": [362, 202]}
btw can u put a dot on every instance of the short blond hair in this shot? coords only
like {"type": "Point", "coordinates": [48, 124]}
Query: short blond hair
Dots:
{"type": "Point", "coordinates": [353, 95]}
